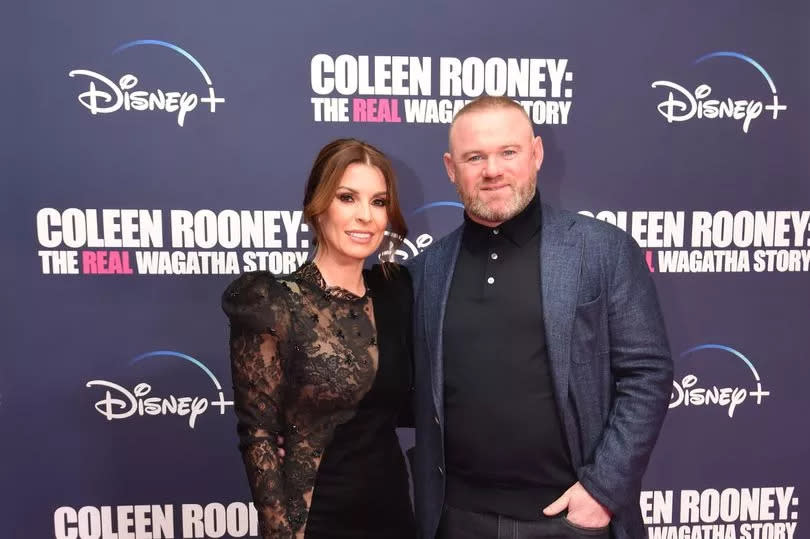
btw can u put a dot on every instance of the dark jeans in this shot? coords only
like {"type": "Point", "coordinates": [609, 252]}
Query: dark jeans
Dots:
{"type": "Point", "coordinates": [461, 524]}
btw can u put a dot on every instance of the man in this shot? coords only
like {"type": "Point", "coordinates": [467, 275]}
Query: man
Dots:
{"type": "Point", "coordinates": [543, 372]}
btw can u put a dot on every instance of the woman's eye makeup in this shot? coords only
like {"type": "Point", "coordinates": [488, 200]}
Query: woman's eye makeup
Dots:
{"type": "Point", "coordinates": [349, 197]}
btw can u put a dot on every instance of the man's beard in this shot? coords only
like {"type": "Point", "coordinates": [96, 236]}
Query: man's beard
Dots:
{"type": "Point", "coordinates": [519, 198]}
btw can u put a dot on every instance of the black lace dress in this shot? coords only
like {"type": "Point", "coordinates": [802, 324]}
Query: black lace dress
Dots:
{"type": "Point", "coordinates": [331, 373]}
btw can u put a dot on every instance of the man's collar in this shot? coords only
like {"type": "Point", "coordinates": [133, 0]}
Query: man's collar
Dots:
{"type": "Point", "coordinates": [519, 229]}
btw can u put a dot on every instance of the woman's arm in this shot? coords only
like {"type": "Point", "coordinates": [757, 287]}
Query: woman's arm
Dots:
{"type": "Point", "coordinates": [259, 323]}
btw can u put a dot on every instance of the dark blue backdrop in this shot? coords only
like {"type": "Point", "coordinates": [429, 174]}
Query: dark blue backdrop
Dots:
{"type": "Point", "coordinates": [73, 466]}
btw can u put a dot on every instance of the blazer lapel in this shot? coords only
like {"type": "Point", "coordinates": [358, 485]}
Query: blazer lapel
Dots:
{"type": "Point", "coordinates": [439, 266]}
{"type": "Point", "coordinates": [560, 260]}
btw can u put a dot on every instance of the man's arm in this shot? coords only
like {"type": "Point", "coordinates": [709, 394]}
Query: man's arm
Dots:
{"type": "Point", "coordinates": [641, 366]}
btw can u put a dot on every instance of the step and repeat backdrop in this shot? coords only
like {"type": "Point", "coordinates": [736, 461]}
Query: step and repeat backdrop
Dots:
{"type": "Point", "coordinates": [154, 151]}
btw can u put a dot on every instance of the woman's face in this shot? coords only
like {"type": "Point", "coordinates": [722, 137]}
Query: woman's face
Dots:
{"type": "Point", "coordinates": [353, 225]}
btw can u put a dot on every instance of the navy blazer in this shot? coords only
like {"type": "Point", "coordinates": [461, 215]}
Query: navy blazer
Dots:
{"type": "Point", "coordinates": [608, 353]}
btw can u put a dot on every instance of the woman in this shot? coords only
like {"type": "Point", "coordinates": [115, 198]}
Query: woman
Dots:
{"type": "Point", "coordinates": [321, 358]}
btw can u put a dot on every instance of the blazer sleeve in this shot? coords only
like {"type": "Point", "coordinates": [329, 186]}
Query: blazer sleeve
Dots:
{"type": "Point", "coordinates": [641, 366]}
{"type": "Point", "coordinates": [259, 317]}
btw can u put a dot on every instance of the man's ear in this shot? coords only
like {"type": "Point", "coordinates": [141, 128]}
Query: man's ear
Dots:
{"type": "Point", "coordinates": [537, 150]}
{"type": "Point", "coordinates": [448, 166]}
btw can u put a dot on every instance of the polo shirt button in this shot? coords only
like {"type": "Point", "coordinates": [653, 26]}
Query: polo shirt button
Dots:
{"type": "Point", "coordinates": [490, 280]}
{"type": "Point", "coordinates": [440, 470]}
{"type": "Point", "coordinates": [436, 419]}
{"type": "Point", "coordinates": [494, 256]}
{"type": "Point", "coordinates": [496, 231]}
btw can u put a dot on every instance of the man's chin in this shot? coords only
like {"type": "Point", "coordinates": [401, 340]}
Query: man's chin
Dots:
{"type": "Point", "coordinates": [494, 213]}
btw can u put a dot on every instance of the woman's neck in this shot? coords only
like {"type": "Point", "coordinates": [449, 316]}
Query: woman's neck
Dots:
{"type": "Point", "coordinates": [346, 274]}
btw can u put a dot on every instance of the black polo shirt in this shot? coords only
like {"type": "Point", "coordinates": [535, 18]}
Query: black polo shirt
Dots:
{"type": "Point", "coordinates": [504, 445]}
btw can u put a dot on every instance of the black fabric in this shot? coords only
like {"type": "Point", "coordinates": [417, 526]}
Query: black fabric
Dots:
{"type": "Point", "coordinates": [504, 445]}
{"type": "Point", "coordinates": [330, 372]}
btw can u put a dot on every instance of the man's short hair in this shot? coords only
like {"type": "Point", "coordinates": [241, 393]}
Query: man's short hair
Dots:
{"type": "Point", "coordinates": [488, 102]}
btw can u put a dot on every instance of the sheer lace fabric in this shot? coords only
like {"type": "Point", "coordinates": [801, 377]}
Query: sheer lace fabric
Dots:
{"type": "Point", "coordinates": [303, 357]}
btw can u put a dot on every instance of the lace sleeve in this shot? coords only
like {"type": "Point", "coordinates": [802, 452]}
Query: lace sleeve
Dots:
{"type": "Point", "coordinates": [257, 308]}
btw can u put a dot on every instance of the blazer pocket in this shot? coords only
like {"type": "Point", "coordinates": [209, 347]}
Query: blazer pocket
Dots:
{"type": "Point", "coordinates": [590, 323]}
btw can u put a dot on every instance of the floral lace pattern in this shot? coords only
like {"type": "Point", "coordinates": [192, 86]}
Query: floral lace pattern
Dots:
{"type": "Point", "coordinates": [303, 355]}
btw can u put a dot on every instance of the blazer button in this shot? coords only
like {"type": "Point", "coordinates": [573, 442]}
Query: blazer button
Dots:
{"type": "Point", "coordinates": [436, 419]}
{"type": "Point", "coordinates": [440, 470]}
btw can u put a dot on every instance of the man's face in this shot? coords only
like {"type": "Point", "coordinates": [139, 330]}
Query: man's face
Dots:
{"type": "Point", "coordinates": [493, 162]}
